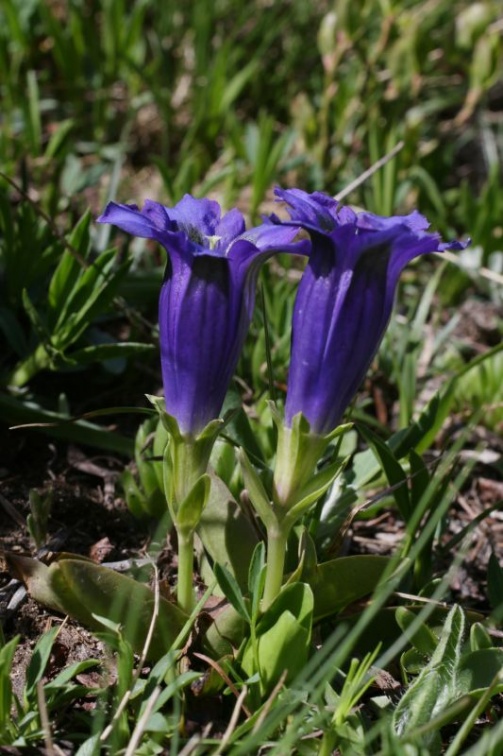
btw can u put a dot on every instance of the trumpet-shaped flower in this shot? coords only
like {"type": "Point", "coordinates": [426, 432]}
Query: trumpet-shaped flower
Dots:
{"type": "Point", "coordinates": [207, 297]}
{"type": "Point", "coordinates": [344, 300]}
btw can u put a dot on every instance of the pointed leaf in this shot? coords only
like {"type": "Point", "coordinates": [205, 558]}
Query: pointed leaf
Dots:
{"type": "Point", "coordinates": [66, 274]}
{"type": "Point", "coordinates": [39, 658]}
{"type": "Point", "coordinates": [437, 685]}
{"type": "Point", "coordinates": [256, 491]}
{"type": "Point", "coordinates": [479, 637]}
{"type": "Point", "coordinates": [257, 563]}
{"type": "Point", "coordinates": [6, 659]}
{"type": "Point", "coordinates": [231, 590]}
{"type": "Point", "coordinates": [104, 352]}
{"type": "Point", "coordinates": [392, 469]}
{"type": "Point", "coordinates": [190, 510]}
{"type": "Point", "coordinates": [314, 490]}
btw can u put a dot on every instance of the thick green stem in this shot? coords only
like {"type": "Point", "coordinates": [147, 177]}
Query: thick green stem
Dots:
{"type": "Point", "coordinates": [184, 589]}
{"type": "Point", "coordinates": [32, 365]}
{"type": "Point", "coordinates": [277, 538]}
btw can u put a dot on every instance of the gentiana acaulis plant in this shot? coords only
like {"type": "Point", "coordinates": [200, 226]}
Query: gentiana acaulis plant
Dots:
{"type": "Point", "coordinates": [343, 306]}
{"type": "Point", "coordinates": [205, 308]}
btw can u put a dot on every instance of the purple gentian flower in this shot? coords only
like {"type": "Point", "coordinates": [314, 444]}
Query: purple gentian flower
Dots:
{"type": "Point", "coordinates": [344, 300]}
{"type": "Point", "coordinates": [207, 297]}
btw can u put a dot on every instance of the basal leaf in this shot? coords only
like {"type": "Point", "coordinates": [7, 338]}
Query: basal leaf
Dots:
{"type": "Point", "coordinates": [340, 582]}
{"type": "Point", "coordinates": [438, 684]}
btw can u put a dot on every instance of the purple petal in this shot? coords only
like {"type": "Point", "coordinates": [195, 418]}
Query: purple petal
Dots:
{"type": "Point", "coordinates": [415, 221]}
{"type": "Point", "coordinates": [132, 220]}
{"type": "Point", "coordinates": [269, 238]}
{"type": "Point", "coordinates": [202, 326]}
{"type": "Point", "coordinates": [231, 226]}
{"type": "Point", "coordinates": [344, 302]}
{"type": "Point", "coordinates": [207, 297]}
{"type": "Point", "coordinates": [308, 209]}
{"type": "Point", "coordinates": [200, 214]}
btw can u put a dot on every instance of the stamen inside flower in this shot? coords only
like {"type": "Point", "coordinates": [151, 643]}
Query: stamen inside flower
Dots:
{"type": "Point", "coordinates": [213, 241]}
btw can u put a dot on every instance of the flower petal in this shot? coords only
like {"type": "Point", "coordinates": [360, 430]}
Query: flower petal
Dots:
{"type": "Point", "coordinates": [344, 301]}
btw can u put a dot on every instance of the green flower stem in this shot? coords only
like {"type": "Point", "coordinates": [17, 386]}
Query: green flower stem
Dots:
{"type": "Point", "coordinates": [184, 589]}
{"type": "Point", "coordinates": [187, 487]}
{"type": "Point", "coordinates": [277, 537]}
{"type": "Point", "coordinates": [29, 367]}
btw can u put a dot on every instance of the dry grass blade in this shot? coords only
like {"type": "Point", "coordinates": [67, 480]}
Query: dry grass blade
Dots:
{"type": "Point", "coordinates": [216, 666]}
{"type": "Point", "coordinates": [233, 720]}
{"type": "Point", "coordinates": [369, 172]}
{"type": "Point", "coordinates": [268, 704]}
{"type": "Point", "coordinates": [192, 744]}
{"type": "Point", "coordinates": [490, 275]}
{"type": "Point", "coordinates": [142, 722]}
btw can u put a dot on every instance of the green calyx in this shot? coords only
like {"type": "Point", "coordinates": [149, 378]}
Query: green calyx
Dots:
{"type": "Point", "coordinates": [187, 489]}
{"type": "Point", "coordinates": [186, 459]}
{"type": "Point", "coordinates": [298, 453]}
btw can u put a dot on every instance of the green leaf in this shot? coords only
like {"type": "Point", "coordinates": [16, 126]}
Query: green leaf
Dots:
{"type": "Point", "coordinates": [419, 479]}
{"type": "Point", "coordinates": [257, 563]}
{"type": "Point", "coordinates": [84, 590]}
{"type": "Point", "coordinates": [238, 429]}
{"type": "Point", "coordinates": [394, 472]}
{"type": "Point", "coordinates": [424, 639]}
{"type": "Point", "coordinates": [231, 590]}
{"type": "Point", "coordinates": [36, 577]}
{"type": "Point", "coordinates": [226, 633]}
{"type": "Point", "coordinates": [479, 637]}
{"type": "Point", "coordinates": [103, 352]}
{"type": "Point", "coordinates": [17, 412]}
{"type": "Point", "coordinates": [437, 410]}
{"type": "Point", "coordinates": [135, 498]}
{"type": "Point", "coordinates": [68, 673]}
{"type": "Point", "coordinates": [340, 582]}
{"type": "Point", "coordinates": [226, 533]}
{"type": "Point", "coordinates": [283, 637]}
{"type": "Point", "coordinates": [6, 659]}
{"type": "Point", "coordinates": [39, 659]}
{"type": "Point", "coordinates": [437, 685]}
{"type": "Point", "coordinates": [256, 491]}
{"type": "Point", "coordinates": [256, 578]}
{"type": "Point", "coordinates": [190, 510]}
{"type": "Point", "coordinates": [69, 269]}
{"type": "Point", "coordinates": [315, 488]}
{"type": "Point", "coordinates": [478, 671]}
